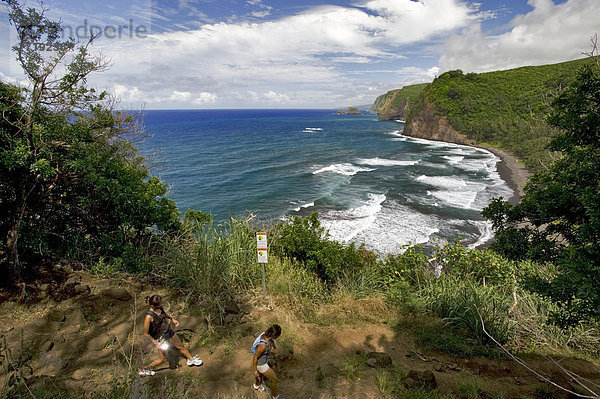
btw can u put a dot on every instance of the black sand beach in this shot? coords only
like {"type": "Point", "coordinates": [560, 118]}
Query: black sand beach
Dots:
{"type": "Point", "coordinates": [513, 173]}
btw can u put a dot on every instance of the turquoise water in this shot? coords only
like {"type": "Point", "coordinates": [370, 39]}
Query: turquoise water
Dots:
{"type": "Point", "coordinates": [367, 182]}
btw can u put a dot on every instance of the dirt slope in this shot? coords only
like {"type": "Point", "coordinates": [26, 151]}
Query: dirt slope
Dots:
{"type": "Point", "coordinates": [84, 333]}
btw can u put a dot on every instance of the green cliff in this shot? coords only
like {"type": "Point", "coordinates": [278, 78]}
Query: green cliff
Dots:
{"type": "Point", "coordinates": [504, 109]}
{"type": "Point", "coordinates": [394, 103]}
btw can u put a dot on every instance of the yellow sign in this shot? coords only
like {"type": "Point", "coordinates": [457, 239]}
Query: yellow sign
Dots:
{"type": "Point", "coordinates": [262, 247]}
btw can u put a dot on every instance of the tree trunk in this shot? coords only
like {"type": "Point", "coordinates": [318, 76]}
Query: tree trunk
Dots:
{"type": "Point", "coordinates": [12, 238]}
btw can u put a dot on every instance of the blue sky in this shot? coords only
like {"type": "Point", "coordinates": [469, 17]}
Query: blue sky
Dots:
{"type": "Point", "coordinates": [173, 54]}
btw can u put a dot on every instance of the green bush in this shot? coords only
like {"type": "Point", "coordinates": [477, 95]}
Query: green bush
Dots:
{"type": "Point", "coordinates": [410, 266]}
{"type": "Point", "coordinates": [306, 242]}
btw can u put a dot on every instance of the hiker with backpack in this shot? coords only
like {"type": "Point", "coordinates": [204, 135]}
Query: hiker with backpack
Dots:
{"type": "Point", "coordinates": [158, 330]}
{"type": "Point", "coordinates": [262, 347]}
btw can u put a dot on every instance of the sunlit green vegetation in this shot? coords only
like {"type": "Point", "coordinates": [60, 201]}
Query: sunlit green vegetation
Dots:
{"type": "Point", "coordinates": [504, 108]}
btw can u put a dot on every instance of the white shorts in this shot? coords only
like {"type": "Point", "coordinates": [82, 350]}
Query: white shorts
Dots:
{"type": "Point", "coordinates": [263, 368]}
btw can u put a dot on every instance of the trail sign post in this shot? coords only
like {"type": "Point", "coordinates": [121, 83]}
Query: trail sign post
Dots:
{"type": "Point", "coordinates": [262, 250]}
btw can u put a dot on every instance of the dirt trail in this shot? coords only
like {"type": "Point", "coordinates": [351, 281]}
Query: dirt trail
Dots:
{"type": "Point", "coordinates": [83, 333]}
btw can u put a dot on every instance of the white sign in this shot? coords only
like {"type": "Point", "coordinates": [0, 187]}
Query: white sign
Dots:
{"type": "Point", "coordinates": [261, 245]}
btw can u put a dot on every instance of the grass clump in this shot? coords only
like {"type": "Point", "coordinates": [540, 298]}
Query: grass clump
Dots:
{"type": "Point", "coordinates": [352, 366]}
{"type": "Point", "coordinates": [389, 381]}
{"type": "Point", "coordinates": [470, 388]}
{"type": "Point", "coordinates": [442, 337]}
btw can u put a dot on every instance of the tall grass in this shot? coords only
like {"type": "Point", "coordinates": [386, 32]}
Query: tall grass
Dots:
{"type": "Point", "coordinates": [211, 265]}
{"type": "Point", "coordinates": [466, 304]}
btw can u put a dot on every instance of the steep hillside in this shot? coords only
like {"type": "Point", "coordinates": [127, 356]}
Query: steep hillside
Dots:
{"type": "Point", "coordinates": [503, 109]}
{"type": "Point", "coordinates": [395, 103]}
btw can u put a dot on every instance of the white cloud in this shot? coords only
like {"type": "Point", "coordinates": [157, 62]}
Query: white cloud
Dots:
{"type": "Point", "coordinates": [179, 96]}
{"type": "Point", "coordinates": [205, 98]}
{"type": "Point", "coordinates": [328, 54]}
{"type": "Point", "coordinates": [261, 14]}
{"type": "Point", "coordinates": [279, 98]}
{"type": "Point", "coordinates": [292, 54]}
{"type": "Point", "coordinates": [548, 34]}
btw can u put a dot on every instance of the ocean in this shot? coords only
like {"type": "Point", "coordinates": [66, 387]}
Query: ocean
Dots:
{"type": "Point", "coordinates": [368, 182]}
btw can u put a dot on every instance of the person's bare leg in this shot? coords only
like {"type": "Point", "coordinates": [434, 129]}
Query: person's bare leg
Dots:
{"type": "Point", "coordinates": [161, 358]}
{"type": "Point", "coordinates": [270, 374]}
{"type": "Point", "coordinates": [257, 380]}
{"type": "Point", "coordinates": [176, 341]}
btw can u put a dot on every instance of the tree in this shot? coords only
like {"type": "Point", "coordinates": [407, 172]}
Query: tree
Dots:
{"type": "Point", "coordinates": [558, 219]}
{"type": "Point", "coordinates": [71, 183]}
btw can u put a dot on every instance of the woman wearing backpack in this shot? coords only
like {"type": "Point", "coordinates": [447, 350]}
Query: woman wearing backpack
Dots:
{"type": "Point", "coordinates": [159, 332]}
{"type": "Point", "coordinates": [263, 345]}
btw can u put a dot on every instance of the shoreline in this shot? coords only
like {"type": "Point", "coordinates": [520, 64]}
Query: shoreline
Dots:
{"type": "Point", "coordinates": [514, 174]}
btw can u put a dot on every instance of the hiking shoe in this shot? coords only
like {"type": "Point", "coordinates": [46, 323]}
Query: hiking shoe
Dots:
{"type": "Point", "coordinates": [195, 361]}
{"type": "Point", "coordinates": [259, 388]}
{"type": "Point", "coordinates": [146, 372]}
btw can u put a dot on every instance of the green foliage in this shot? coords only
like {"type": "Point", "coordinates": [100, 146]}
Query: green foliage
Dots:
{"type": "Point", "coordinates": [506, 108]}
{"type": "Point", "coordinates": [16, 367]}
{"type": "Point", "coordinates": [544, 391]}
{"type": "Point", "coordinates": [305, 241]}
{"type": "Point", "coordinates": [484, 265]}
{"type": "Point", "coordinates": [410, 266]}
{"type": "Point", "coordinates": [445, 338]}
{"type": "Point", "coordinates": [210, 266]}
{"type": "Point", "coordinates": [72, 185]}
{"type": "Point", "coordinates": [466, 305]}
{"type": "Point", "coordinates": [297, 284]}
{"type": "Point", "coordinates": [193, 220]}
{"type": "Point", "coordinates": [470, 388]}
{"type": "Point", "coordinates": [352, 365]}
{"type": "Point", "coordinates": [558, 219]}
{"type": "Point", "coordinates": [394, 102]}
{"type": "Point", "coordinates": [389, 381]}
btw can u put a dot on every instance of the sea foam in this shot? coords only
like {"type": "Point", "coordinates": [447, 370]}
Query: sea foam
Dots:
{"type": "Point", "coordinates": [382, 225]}
{"type": "Point", "coordinates": [346, 169]}
{"type": "Point", "coordinates": [385, 162]}
{"type": "Point", "coordinates": [452, 190]}
{"type": "Point", "coordinates": [307, 205]}
{"type": "Point", "coordinates": [312, 130]}
{"type": "Point", "coordinates": [347, 224]}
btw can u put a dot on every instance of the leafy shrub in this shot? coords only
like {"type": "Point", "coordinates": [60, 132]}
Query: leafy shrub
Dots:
{"type": "Point", "coordinates": [485, 266]}
{"type": "Point", "coordinates": [411, 266]}
{"type": "Point", "coordinates": [305, 241]}
{"type": "Point", "coordinates": [16, 367]}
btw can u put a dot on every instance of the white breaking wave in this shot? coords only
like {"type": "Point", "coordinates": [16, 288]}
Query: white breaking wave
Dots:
{"type": "Point", "coordinates": [442, 181]}
{"type": "Point", "coordinates": [486, 233]}
{"type": "Point", "coordinates": [386, 162]}
{"type": "Point", "coordinates": [382, 225]}
{"type": "Point", "coordinates": [307, 205]}
{"type": "Point", "coordinates": [455, 191]}
{"type": "Point", "coordinates": [345, 225]}
{"type": "Point", "coordinates": [346, 169]}
{"type": "Point", "coordinates": [454, 159]}
{"type": "Point", "coordinates": [312, 129]}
